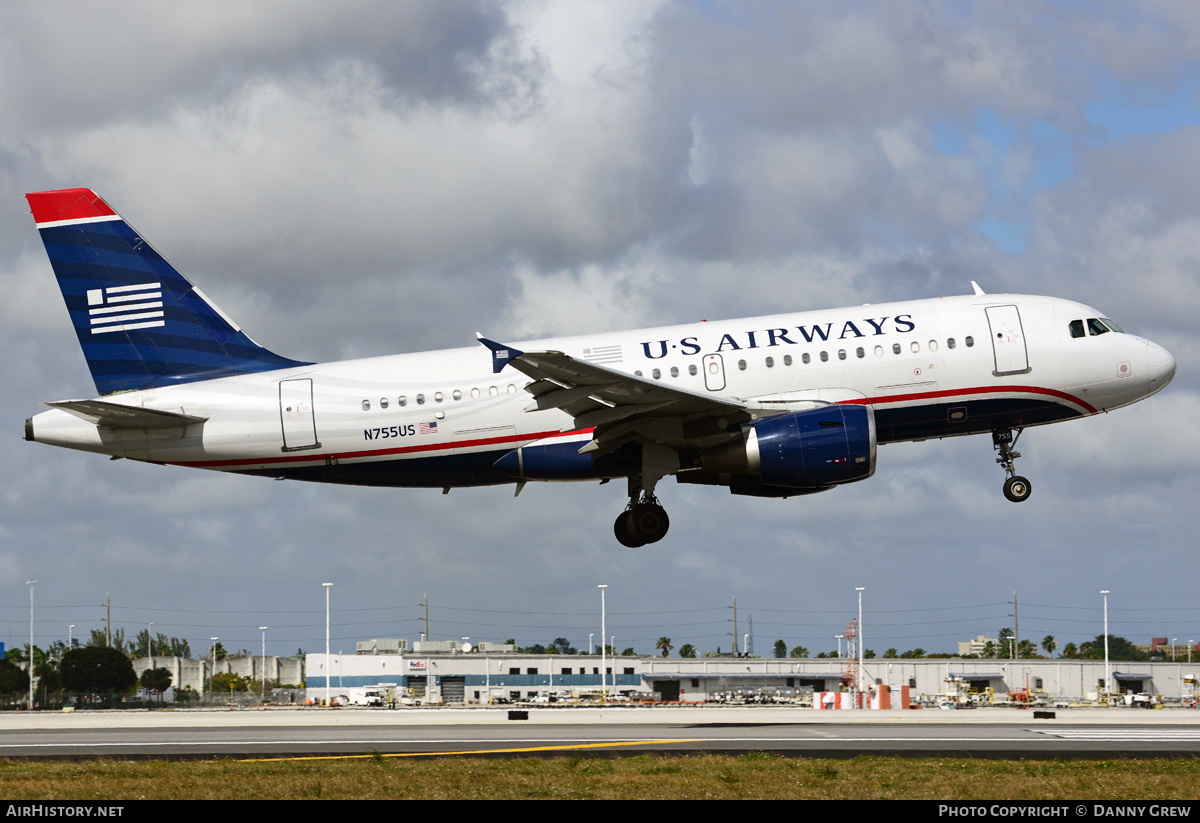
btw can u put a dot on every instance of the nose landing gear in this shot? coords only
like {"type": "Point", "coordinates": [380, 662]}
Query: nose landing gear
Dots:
{"type": "Point", "coordinates": [1016, 488]}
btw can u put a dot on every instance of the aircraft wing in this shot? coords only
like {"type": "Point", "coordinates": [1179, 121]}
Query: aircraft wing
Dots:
{"type": "Point", "coordinates": [620, 407]}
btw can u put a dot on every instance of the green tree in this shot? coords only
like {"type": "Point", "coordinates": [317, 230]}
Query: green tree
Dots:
{"type": "Point", "coordinates": [799, 652]}
{"type": "Point", "coordinates": [1026, 649]}
{"type": "Point", "coordinates": [226, 682]}
{"type": "Point", "coordinates": [890, 654]}
{"type": "Point", "coordinates": [157, 680]}
{"type": "Point", "coordinates": [869, 654]}
{"type": "Point", "coordinates": [97, 669]}
{"type": "Point", "coordinates": [912, 654]}
{"type": "Point", "coordinates": [1070, 650]}
{"type": "Point", "coordinates": [664, 645]}
{"type": "Point", "coordinates": [1118, 649]}
{"type": "Point", "coordinates": [687, 650]}
{"type": "Point", "coordinates": [1005, 646]}
{"type": "Point", "coordinates": [780, 648]}
{"type": "Point", "coordinates": [1049, 645]}
{"type": "Point", "coordinates": [629, 652]}
{"type": "Point", "coordinates": [13, 679]}
{"type": "Point", "coordinates": [989, 649]}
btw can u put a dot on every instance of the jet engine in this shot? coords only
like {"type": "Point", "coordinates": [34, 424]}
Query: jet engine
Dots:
{"type": "Point", "coordinates": [797, 452]}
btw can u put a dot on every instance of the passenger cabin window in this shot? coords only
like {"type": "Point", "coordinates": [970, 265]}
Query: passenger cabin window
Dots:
{"type": "Point", "coordinates": [742, 365]}
{"type": "Point", "coordinates": [860, 353]}
{"type": "Point", "coordinates": [1076, 327]}
{"type": "Point", "coordinates": [493, 391]}
{"type": "Point", "coordinates": [420, 400]}
{"type": "Point", "coordinates": [383, 402]}
{"type": "Point", "coordinates": [656, 374]}
{"type": "Point", "coordinates": [805, 358]}
{"type": "Point", "coordinates": [787, 360]}
{"type": "Point", "coordinates": [402, 401]}
{"type": "Point", "coordinates": [366, 405]}
{"type": "Point", "coordinates": [841, 354]}
{"type": "Point", "coordinates": [437, 397]}
{"type": "Point", "coordinates": [950, 343]}
{"type": "Point", "coordinates": [933, 345]}
{"type": "Point", "coordinates": [674, 371]}
{"type": "Point", "coordinates": [916, 347]}
{"type": "Point", "coordinates": [457, 395]}
{"type": "Point", "coordinates": [895, 348]}
{"type": "Point", "coordinates": [824, 357]}
{"type": "Point", "coordinates": [969, 340]}
{"type": "Point", "coordinates": [770, 362]}
{"type": "Point", "coordinates": [692, 370]}
{"type": "Point", "coordinates": [474, 394]}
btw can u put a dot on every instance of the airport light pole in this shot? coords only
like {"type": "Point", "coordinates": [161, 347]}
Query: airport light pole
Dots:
{"type": "Point", "coordinates": [1107, 673]}
{"type": "Point", "coordinates": [1174, 643]}
{"type": "Point", "coordinates": [31, 584]}
{"type": "Point", "coordinates": [70, 638]}
{"type": "Point", "coordinates": [603, 650]}
{"type": "Point", "coordinates": [262, 696]}
{"type": "Point", "coordinates": [859, 638]}
{"type": "Point", "coordinates": [591, 643]}
{"type": "Point", "coordinates": [212, 668]}
{"type": "Point", "coordinates": [150, 644]}
{"type": "Point", "coordinates": [327, 675]}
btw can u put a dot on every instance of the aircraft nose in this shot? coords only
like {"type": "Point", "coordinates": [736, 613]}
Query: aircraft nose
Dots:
{"type": "Point", "coordinates": [1160, 366]}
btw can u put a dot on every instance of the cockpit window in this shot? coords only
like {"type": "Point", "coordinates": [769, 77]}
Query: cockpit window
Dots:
{"type": "Point", "coordinates": [1095, 327]}
{"type": "Point", "coordinates": [1112, 325]}
{"type": "Point", "coordinates": [1076, 327]}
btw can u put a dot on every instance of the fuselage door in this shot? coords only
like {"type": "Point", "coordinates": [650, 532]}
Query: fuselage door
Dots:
{"type": "Point", "coordinates": [296, 414]}
{"type": "Point", "coordinates": [1008, 340]}
{"type": "Point", "coordinates": [714, 372]}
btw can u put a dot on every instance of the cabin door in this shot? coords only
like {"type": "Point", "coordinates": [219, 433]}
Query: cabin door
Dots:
{"type": "Point", "coordinates": [296, 414]}
{"type": "Point", "coordinates": [1008, 340]}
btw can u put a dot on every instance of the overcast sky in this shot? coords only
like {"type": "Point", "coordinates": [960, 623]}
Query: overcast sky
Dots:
{"type": "Point", "coordinates": [364, 178]}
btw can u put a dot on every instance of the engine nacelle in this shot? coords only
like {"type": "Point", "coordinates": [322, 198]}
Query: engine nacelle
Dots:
{"type": "Point", "coordinates": [804, 450]}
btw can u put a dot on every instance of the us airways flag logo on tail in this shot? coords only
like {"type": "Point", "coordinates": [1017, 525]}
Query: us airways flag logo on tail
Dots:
{"type": "Point", "coordinates": [122, 308]}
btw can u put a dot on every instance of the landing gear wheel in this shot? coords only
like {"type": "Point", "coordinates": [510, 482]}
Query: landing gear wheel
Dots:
{"type": "Point", "coordinates": [624, 533]}
{"type": "Point", "coordinates": [1017, 489]}
{"type": "Point", "coordinates": [649, 522]}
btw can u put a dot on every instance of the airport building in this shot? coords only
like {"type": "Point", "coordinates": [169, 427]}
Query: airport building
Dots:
{"type": "Point", "coordinates": [466, 679]}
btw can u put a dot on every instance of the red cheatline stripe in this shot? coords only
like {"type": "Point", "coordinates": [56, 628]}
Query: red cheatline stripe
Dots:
{"type": "Point", "coordinates": [905, 398]}
{"type": "Point", "coordinates": [67, 204]}
{"type": "Point", "coordinates": [526, 438]}
{"type": "Point", "coordinates": [423, 447]}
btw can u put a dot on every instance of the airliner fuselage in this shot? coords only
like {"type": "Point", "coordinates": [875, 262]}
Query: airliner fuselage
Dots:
{"type": "Point", "coordinates": [774, 406]}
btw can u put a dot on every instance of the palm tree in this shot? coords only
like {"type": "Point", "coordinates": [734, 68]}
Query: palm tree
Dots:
{"type": "Point", "coordinates": [664, 645]}
{"type": "Point", "coordinates": [1049, 644]}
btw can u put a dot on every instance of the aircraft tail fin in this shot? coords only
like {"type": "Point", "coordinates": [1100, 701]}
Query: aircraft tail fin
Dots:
{"type": "Point", "coordinates": [140, 322]}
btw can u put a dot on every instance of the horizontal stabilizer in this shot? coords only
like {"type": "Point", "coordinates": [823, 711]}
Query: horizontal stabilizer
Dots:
{"type": "Point", "coordinates": [118, 416]}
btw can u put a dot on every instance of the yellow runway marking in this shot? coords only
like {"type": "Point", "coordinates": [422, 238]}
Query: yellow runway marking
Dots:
{"type": "Point", "coordinates": [568, 747]}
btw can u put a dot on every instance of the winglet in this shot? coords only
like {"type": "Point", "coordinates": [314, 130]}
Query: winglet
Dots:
{"type": "Point", "coordinates": [978, 290]}
{"type": "Point", "coordinates": [501, 353]}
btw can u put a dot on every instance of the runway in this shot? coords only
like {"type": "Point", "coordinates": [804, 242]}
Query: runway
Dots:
{"type": "Point", "coordinates": [314, 733]}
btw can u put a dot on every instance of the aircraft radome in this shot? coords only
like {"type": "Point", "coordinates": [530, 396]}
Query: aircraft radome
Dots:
{"type": "Point", "coordinates": [776, 406]}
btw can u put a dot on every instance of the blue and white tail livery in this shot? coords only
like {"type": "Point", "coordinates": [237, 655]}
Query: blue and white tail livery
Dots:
{"type": "Point", "coordinates": [140, 322]}
{"type": "Point", "coordinates": [777, 406]}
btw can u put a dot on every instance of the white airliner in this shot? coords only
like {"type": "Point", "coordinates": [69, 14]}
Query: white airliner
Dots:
{"type": "Point", "coordinates": [775, 406]}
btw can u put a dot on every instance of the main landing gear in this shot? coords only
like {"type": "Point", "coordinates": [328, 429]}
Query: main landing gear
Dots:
{"type": "Point", "coordinates": [1016, 488]}
{"type": "Point", "coordinates": [643, 521]}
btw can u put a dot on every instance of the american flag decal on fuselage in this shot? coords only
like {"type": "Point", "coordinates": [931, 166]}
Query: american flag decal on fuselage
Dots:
{"type": "Point", "coordinates": [121, 308]}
